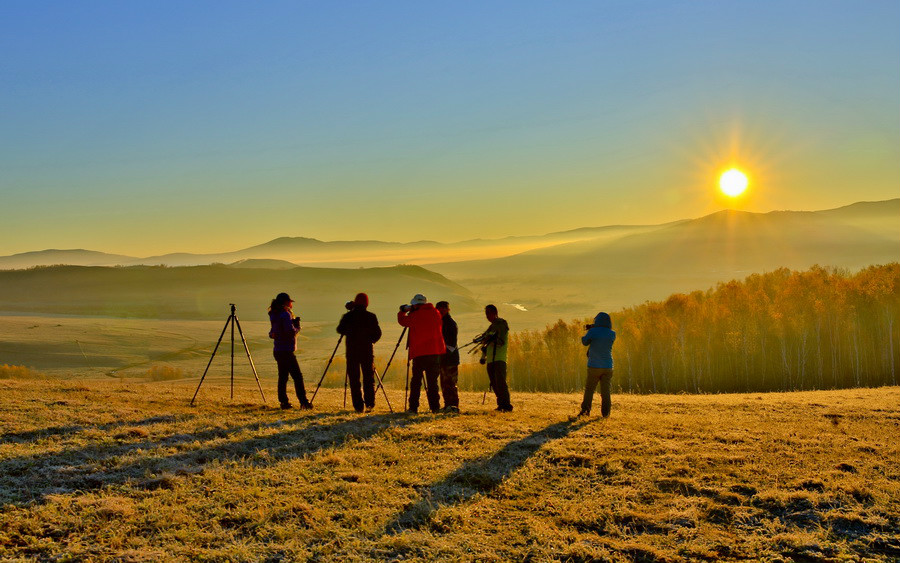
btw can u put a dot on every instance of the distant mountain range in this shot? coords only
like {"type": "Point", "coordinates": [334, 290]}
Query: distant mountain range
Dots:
{"type": "Point", "coordinates": [687, 255]}
{"type": "Point", "coordinates": [302, 251]}
{"type": "Point", "coordinates": [726, 241]}
{"type": "Point", "coordinates": [807, 231]}
{"type": "Point", "coordinates": [552, 276]}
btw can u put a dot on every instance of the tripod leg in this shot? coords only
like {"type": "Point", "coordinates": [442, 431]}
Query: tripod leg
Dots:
{"type": "Point", "coordinates": [388, 366]}
{"type": "Point", "coordinates": [211, 359]}
{"type": "Point", "coordinates": [346, 379]}
{"type": "Point", "coordinates": [321, 379]}
{"type": "Point", "coordinates": [383, 390]}
{"type": "Point", "coordinates": [406, 389]}
{"type": "Point", "coordinates": [252, 366]}
{"type": "Point", "coordinates": [232, 353]}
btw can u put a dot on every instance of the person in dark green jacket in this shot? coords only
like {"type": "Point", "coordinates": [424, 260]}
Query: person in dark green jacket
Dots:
{"type": "Point", "coordinates": [494, 346]}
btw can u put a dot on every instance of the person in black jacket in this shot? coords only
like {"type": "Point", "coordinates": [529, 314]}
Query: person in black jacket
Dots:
{"type": "Point", "coordinates": [449, 359]}
{"type": "Point", "coordinates": [360, 328]}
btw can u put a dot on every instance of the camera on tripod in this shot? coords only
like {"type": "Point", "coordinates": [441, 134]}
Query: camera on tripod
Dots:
{"type": "Point", "coordinates": [349, 305]}
{"type": "Point", "coordinates": [406, 308]}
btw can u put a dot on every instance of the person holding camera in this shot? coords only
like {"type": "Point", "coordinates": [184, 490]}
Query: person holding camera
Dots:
{"type": "Point", "coordinates": [361, 329]}
{"type": "Point", "coordinates": [449, 359]}
{"type": "Point", "coordinates": [494, 346]}
{"type": "Point", "coordinates": [599, 339]}
{"type": "Point", "coordinates": [426, 344]}
{"type": "Point", "coordinates": [284, 332]}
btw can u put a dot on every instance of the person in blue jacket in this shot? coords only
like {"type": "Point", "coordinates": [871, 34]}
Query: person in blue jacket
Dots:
{"type": "Point", "coordinates": [284, 332]}
{"type": "Point", "coordinates": [599, 340]}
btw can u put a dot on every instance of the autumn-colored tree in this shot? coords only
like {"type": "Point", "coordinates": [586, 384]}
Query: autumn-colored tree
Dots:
{"type": "Point", "coordinates": [784, 330]}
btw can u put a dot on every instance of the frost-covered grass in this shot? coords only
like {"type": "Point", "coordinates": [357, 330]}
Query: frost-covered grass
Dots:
{"type": "Point", "coordinates": [100, 471]}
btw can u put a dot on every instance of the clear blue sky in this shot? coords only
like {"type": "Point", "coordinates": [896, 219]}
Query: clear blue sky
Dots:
{"type": "Point", "coordinates": [149, 127]}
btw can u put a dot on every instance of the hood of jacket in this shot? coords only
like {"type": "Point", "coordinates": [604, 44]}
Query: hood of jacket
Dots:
{"type": "Point", "coordinates": [603, 320]}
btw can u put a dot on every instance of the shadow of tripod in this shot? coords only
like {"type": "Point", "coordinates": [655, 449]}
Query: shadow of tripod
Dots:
{"type": "Point", "coordinates": [233, 321]}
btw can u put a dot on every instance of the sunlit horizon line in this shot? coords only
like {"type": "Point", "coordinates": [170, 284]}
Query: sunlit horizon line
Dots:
{"type": "Point", "coordinates": [710, 209]}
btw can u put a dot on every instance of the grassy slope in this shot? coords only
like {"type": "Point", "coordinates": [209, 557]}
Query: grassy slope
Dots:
{"type": "Point", "coordinates": [106, 471]}
{"type": "Point", "coordinates": [204, 292]}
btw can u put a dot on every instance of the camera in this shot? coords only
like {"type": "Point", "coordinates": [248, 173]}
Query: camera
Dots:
{"type": "Point", "coordinates": [588, 327]}
{"type": "Point", "coordinates": [405, 308]}
{"type": "Point", "coordinates": [296, 322]}
{"type": "Point", "coordinates": [349, 305]}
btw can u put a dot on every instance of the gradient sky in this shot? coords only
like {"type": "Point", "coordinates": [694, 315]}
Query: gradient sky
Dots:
{"type": "Point", "coordinates": [151, 127]}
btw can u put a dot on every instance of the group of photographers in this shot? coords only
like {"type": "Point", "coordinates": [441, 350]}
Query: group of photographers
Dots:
{"type": "Point", "coordinates": [433, 352]}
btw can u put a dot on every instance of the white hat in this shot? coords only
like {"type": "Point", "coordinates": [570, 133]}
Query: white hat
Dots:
{"type": "Point", "coordinates": [419, 299]}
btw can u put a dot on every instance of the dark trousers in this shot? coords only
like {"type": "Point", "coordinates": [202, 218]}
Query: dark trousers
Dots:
{"type": "Point", "coordinates": [429, 367]}
{"type": "Point", "coordinates": [497, 376]}
{"type": "Point", "coordinates": [365, 396]}
{"type": "Point", "coordinates": [603, 376]}
{"type": "Point", "coordinates": [287, 365]}
{"type": "Point", "coordinates": [449, 378]}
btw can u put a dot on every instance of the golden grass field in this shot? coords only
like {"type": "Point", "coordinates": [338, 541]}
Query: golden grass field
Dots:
{"type": "Point", "coordinates": [118, 471]}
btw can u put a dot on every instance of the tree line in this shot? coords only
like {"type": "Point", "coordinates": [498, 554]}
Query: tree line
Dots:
{"type": "Point", "coordinates": [785, 330]}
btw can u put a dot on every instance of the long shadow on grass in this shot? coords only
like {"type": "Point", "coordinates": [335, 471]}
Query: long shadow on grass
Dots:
{"type": "Point", "coordinates": [52, 431]}
{"type": "Point", "coordinates": [30, 479]}
{"type": "Point", "coordinates": [477, 477]}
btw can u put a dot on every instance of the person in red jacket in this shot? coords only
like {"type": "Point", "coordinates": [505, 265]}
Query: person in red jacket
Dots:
{"type": "Point", "coordinates": [426, 344]}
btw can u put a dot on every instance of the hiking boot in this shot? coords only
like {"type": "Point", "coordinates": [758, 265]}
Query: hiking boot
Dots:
{"type": "Point", "coordinates": [503, 409]}
{"type": "Point", "coordinates": [305, 406]}
{"type": "Point", "coordinates": [451, 409]}
{"type": "Point", "coordinates": [369, 409]}
{"type": "Point", "coordinates": [285, 406]}
{"type": "Point", "coordinates": [412, 411]}
{"type": "Point", "coordinates": [584, 413]}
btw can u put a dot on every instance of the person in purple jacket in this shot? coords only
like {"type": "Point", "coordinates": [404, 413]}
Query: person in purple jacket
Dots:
{"type": "Point", "coordinates": [599, 339]}
{"type": "Point", "coordinates": [284, 332]}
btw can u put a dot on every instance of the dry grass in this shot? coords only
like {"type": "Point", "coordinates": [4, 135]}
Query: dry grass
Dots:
{"type": "Point", "coordinates": [103, 471]}
{"type": "Point", "coordinates": [19, 372]}
{"type": "Point", "coordinates": [165, 373]}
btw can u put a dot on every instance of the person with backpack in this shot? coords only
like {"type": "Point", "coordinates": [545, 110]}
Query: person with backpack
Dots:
{"type": "Point", "coordinates": [360, 327]}
{"type": "Point", "coordinates": [494, 347]}
{"type": "Point", "coordinates": [426, 344]}
{"type": "Point", "coordinates": [284, 332]}
{"type": "Point", "coordinates": [599, 339]}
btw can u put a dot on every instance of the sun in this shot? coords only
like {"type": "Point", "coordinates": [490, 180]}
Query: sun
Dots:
{"type": "Point", "coordinates": [733, 182]}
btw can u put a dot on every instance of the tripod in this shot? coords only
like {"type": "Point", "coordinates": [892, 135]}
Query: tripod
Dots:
{"type": "Point", "coordinates": [380, 386]}
{"type": "Point", "coordinates": [388, 366]}
{"type": "Point", "coordinates": [233, 321]}
{"type": "Point", "coordinates": [328, 365]}
{"type": "Point", "coordinates": [331, 359]}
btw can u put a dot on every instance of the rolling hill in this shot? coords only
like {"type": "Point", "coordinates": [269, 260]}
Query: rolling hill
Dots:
{"type": "Point", "coordinates": [52, 257]}
{"type": "Point", "coordinates": [200, 292]}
